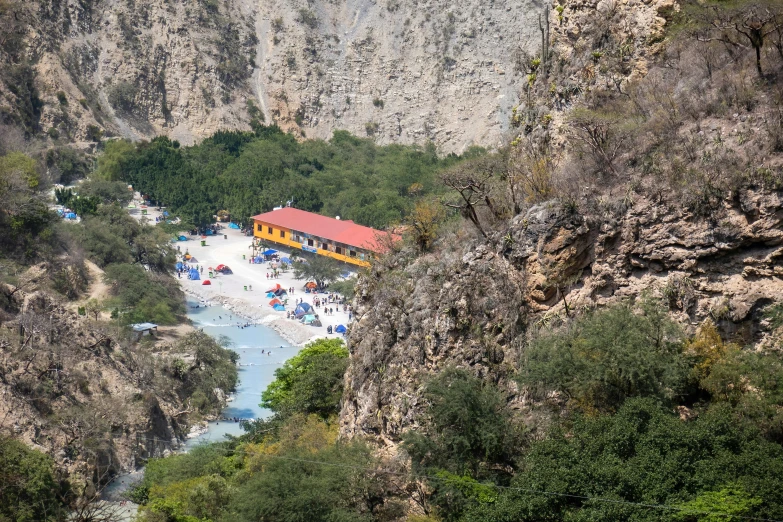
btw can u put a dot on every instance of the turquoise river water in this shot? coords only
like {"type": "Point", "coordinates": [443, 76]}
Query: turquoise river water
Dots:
{"type": "Point", "coordinates": [256, 364]}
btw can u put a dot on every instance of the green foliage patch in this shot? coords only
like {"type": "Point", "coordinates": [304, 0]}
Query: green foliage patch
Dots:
{"type": "Point", "coordinates": [248, 173]}
{"type": "Point", "coordinates": [311, 382]}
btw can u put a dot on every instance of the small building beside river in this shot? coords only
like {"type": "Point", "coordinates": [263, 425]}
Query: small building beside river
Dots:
{"type": "Point", "coordinates": [339, 239]}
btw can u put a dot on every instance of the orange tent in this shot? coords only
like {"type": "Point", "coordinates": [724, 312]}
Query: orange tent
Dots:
{"type": "Point", "coordinates": [273, 302]}
{"type": "Point", "coordinates": [311, 285]}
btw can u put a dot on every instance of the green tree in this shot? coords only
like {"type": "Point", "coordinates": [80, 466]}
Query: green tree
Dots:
{"type": "Point", "coordinates": [718, 506]}
{"type": "Point", "coordinates": [321, 269]}
{"type": "Point", "coordinates": [605, 357]}
{"type": "Point", "coordinates": [108, 191]}
{"type": "Point", "coordinates": [112, 161]}
{"type": "Point", "coordinates": [466, 426]}
{"type": "Point", "coordinates": [29, 490]}
{"type": "Point", "coordinates": [467, 435]}
{"type": "Point", "coordinates": [643, 454]}
{"type": "Point", "coordinates": [311, 382]}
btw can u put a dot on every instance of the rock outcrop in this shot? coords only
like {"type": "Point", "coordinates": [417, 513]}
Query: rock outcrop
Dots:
{"type": "Point", "coordinates": [397, 70]}
{"type": "Point", "coordinates": [469, 307]}
{"type": "Point", "coordinates": [70, 388]}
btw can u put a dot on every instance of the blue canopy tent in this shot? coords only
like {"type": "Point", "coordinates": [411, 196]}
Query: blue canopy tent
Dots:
{"type": "Point", "coordinates": [193, 274]}
{"type": "Point", "coordinates": [234, 226]}
{"type": "Point", "coordinates": [302, 309]}
{"type": "Point", "coordinates": [285, 260]}
{"type": "Point", "coordinates": [70, 215]}
{"type": "Point", "coordinates": [270, 294]}
{"type": "Point", "coordinates": [279, 308]}
{"type": "Point", "coordinates": [340, 329]}
{"type": "Point", "coordinates": [182, 238]}
{"type": "Point", "coordinates": [269, 252]}
{"type": "Point", "coordinates": [179, 266]}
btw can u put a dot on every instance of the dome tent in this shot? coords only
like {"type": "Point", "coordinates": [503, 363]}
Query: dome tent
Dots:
{"type": "Point", "coordinates": [302, 309]}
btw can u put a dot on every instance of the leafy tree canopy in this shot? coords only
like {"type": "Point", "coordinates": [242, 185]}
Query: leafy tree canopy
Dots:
{"type": "Point", "coordinates": [311, 382]}
{"type": "Point", "coordinates": [608, 356]}
{"type": "Point", "coordinates": [246, 174]}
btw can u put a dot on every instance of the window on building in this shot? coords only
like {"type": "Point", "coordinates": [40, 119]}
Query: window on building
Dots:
{"type": "Point", "coordinates": [259, 228]}
{"type": "Point", "coordinates": [309, 242]}
{"type": "Point", "coordinates": [324, 246]}
{"type": "Point", "coordinates": [352, 253]}
{"type": "Point", "coordinates": [268, 230]}
{"type": "Point", "coordinates": [282, 233]}
{"type": "Point", "coordinates": [339, 250]}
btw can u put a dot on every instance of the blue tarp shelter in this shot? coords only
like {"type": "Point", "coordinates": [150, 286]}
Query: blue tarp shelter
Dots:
{"type": "Point", "coordinates": [269, 252]}
{"type": "Point", "coordinates": [70, 215]}
{"type": "Point", "coordinates": [285, 260]}
{"type": "Point", "coordinates": [208, 233]}
{"type": "Point", "coordinates": [193, 274]}
{"type": "Point", "coordinates": [179, 266]}
{"type": "Point", "coordinates": [340, 329]}
{"type": "Point", "coordinates": [182, 238]}
{"type": "Point", "coordinates": [166, 213]}
{"type": "Point", "coordinates": [259, 259]}
{"type": "Point", "coordinates": [279, 308]}
{"type": "Point", "coordinates": [302, 309]}
{"type": "Point", "coordinates": [234, 226]}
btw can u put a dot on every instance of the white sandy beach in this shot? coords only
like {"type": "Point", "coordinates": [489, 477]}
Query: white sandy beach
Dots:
{"type": "Point", "coordinates": [229, 290]}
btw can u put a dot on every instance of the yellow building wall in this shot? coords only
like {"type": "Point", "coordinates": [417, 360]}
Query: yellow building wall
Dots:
{"type": "Point", "coordinates": [274, 237]}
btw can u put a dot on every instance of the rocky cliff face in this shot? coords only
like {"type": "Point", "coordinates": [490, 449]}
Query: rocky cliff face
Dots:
{"type": "Point", "coordinates": [600, 239]}
{"type": "Point", "coordinates": [468, 307]}
{"type": "Point", "coordinates": [397, 70]}
{"type": "Point", "coordinates": [69, 388]}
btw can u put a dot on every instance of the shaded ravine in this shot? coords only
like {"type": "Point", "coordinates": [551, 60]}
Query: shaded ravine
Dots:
{"type": "Point", "coordinates": [256, 365]}
{"type": "Point", "coordinates": [256, 371]}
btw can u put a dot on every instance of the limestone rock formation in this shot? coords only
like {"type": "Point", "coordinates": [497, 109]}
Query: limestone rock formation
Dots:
{"type": "Point", "coordinates": [468, 307]}
{"type": "Point", "coordinates": [397, 70]}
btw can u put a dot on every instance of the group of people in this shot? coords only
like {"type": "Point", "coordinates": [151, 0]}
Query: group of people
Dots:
{"type": "Point", "coordinates": [203, 230]}
{"type": "Point", "coordinates": [186, 270]}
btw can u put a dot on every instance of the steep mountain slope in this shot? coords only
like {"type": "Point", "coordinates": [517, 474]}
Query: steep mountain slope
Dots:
{"type": "Point", "coordinates": [648, 162]}
{"type": "Point", "coordinates": [398, 70]}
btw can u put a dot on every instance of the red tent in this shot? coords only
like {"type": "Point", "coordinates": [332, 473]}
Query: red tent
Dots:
{"type": "Point", "coordinates": [273, 302]}
{"type": "Point", "coordinates": [206, 282]}
{"type": "Point", "coordinates": [220, 267]}
{"type": "Point", "coordinates": [273, 290]}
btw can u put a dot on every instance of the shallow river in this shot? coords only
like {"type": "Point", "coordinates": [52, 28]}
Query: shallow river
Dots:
{"type": "Point", "coordinates": [256, 372]}
{"type": "Point", "coordinates": [257, 365]}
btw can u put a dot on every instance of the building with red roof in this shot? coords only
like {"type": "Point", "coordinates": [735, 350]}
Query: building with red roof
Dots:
{"type": "Point", "coordinates": [343, 240]}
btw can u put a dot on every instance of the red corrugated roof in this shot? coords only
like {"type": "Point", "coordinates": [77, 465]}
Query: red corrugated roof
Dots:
{"type": "Point", "coordinates": [340, 231]}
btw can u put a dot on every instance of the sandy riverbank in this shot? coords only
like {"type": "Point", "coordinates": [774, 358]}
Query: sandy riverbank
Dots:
{"type": "Point", "coordinates": [230, 290]}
